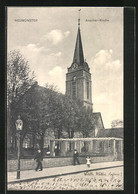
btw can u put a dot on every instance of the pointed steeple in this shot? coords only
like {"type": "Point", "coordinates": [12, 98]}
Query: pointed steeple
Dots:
{"type": "Point", "coordinates": [78, 53]}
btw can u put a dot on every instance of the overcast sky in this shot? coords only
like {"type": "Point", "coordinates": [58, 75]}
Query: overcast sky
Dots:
{"type": "Point", "coordinates": [48, 44]}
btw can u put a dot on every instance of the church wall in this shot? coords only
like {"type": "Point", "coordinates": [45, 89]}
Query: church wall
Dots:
{"type": "Point", "coordinates": [91, 91]}
{"type": "Point", "coordinates": [80, 89]}
{"type": "Point", "coordinates": [79, 83]}
{"type": "Point", "coordinates": [87, 105]}
{"type": "Point", "coordinates": [87, 75]}
{"type": "Point", "coordinates": [85, 89]}
{"type": "Point", "coordinates": [82, 78]}
{"type": "Point", "coordinates": [68, 88]}
{"type": "Point", "coordinates": [99, 124]}
{"type": "Point", "coordinates": [77, 74]}
{"type": "Point", "coordinates": [87, 78]}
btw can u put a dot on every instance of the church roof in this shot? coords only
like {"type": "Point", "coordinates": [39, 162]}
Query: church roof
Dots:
{"type": "Point", "coordinates": [78, 53]}
{"type": "Point", "coordinates": [98, 120]}
{"type": "Point", "coordinates": [112, 132]}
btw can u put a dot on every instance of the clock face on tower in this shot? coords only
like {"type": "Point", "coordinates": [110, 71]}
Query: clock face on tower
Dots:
{"type": "Point", "coordinates": [74, 66]}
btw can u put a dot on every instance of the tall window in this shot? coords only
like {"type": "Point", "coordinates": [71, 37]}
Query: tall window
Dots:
{"type": "Point", "coordinates": [87, 90]}
{"type": "Point", "coordinates": [73, 90]}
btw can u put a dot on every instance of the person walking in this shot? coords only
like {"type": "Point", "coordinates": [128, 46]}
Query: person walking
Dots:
{"type": "Point", "coordinates": [75, 157]}
{"type": "Point", "coordinates": [88, 161]}
{"type": "Point", "coordinates": [38, 158]}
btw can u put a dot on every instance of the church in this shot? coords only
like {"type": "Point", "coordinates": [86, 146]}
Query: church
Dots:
{"type": "Point", "coordinates": [79, 80]}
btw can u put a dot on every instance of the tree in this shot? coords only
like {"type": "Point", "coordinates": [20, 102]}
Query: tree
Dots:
{"type": "Point", "coordinates": [19, 80]}
{"type": "Point", "coordinates": [117, 123]}
{"type": "Point", "coordinates": [85, 121]}
{"type": "Point", "coordinates": [33, 108]}
{"type": "Point", "coordinates": [70, 116]}
{"type": "Point", "coordinates": [19, 76]}
{"type": "Point", "coordinates": [55, 107]}
{"type": "Point", "coordinates": [44, 108]}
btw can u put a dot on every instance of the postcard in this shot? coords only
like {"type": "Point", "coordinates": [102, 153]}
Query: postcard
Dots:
{"type": "Point", "coordinates": [65, 98]}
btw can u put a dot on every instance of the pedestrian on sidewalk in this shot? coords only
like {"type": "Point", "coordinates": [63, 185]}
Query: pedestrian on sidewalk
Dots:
{"type": "Point", "coordinates": [88, 161]}
{"type": "Point", "coordinates": [75, 157]}
{"type": "Point", "coordinates": [38, 158]}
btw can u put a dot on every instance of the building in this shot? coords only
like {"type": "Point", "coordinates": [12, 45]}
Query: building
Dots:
{"type": "Point", "coordinates": [78, 77]}
{"type": "Point", "coordinates": [79, 81]}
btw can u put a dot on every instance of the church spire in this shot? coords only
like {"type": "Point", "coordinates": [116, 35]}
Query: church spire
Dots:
{"type": "Point", "coordinates": [79, 19]}
{"type": "Point", "coordinates": [78, 53]}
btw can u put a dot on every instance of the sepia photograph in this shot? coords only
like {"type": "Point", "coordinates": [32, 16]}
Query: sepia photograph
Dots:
{"type": "Point", "coordinates": [65, 108]}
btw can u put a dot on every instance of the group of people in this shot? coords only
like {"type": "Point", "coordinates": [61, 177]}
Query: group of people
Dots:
{"type": "Point", "coordinates": [38, 157]}
{"type": "Point", "coordinates": [76, 160]}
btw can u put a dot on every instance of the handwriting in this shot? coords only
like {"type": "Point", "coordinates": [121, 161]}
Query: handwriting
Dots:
{"type": "Point", "coordinates": [82, 181]}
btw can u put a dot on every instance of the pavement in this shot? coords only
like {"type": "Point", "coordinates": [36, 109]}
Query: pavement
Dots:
{"type": "Point", "coordinates": [30, 175]}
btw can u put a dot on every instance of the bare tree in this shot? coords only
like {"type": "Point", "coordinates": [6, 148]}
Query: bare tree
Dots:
{"type": "Point", "coordinates": [19, 76]}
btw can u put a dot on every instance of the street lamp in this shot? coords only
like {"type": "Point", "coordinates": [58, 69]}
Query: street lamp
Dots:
{"type": "Point", "coordinates": [19, 125]}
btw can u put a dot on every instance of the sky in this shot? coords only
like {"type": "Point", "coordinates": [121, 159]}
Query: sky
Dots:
{"type": "Point", "coordinates": [47, 41]}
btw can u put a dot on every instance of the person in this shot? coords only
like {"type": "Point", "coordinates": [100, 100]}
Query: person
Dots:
{"type": "Point", "coordinates": [75, 157]}
{"type": "Point", "coordinates": [88, 161]}
{"type": "Point", "coordinates": [38, 158]}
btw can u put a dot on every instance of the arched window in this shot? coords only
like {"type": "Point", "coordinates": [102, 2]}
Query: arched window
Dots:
{"type": "Point", "coordinates": [87, 90]}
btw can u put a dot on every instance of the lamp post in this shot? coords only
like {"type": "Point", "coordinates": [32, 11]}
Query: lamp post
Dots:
{"type": "Point", "coordinates": [19, 125]}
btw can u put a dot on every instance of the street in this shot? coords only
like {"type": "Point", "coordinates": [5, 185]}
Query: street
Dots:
{"type": "Point", "coordinates": [107, 179]}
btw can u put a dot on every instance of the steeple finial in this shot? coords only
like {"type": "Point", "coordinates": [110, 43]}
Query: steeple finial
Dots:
{"type": "Point", "coordinates": [78, 53]}
{"type": "Point", "coordinates": [79, 18]}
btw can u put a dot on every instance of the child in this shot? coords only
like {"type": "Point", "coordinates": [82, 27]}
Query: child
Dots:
{"type": "Point", "coordinates": [88, 161]}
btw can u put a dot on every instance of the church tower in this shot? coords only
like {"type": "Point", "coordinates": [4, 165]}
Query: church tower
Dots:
{"type": "Point", "coordinates": [78, 77]}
